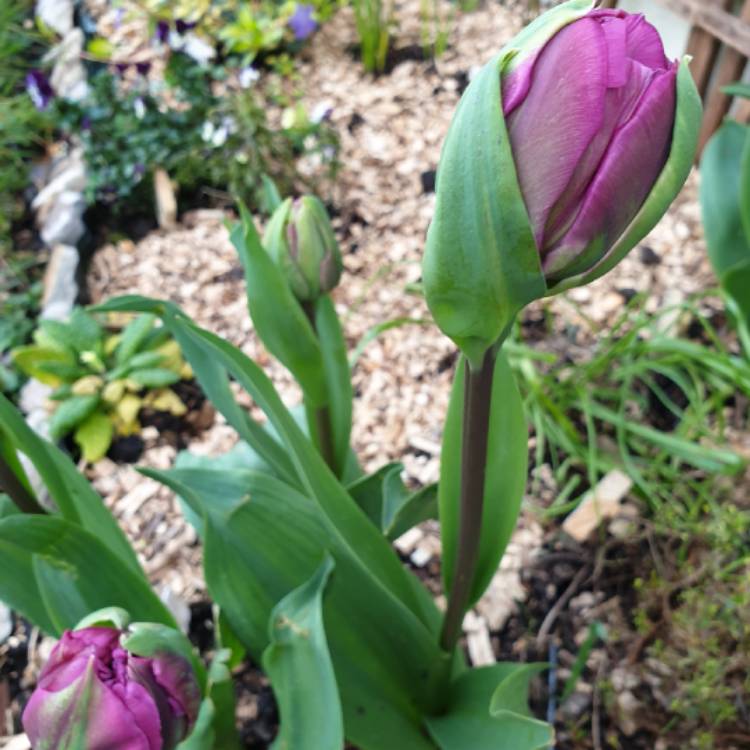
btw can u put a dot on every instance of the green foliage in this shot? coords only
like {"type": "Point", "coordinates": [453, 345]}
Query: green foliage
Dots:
{"type": "Point", "coordinates": [23, 127]}
{"type": "Point", "coordinates": [201, 138]}
{"type": "Point", "coordinates": [725, 198]}
{"type": "Point", "coordinates": [374, 24]}
{"type": "Point", "coordinates": [102, 379]}
{"type": "Point", "coordinates": [592, 414]}
{"type": "Point", "coordinates": [20, 293]}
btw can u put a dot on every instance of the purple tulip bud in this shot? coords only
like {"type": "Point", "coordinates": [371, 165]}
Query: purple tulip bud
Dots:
{"type": "Point", "coordinates": [162, 32]}
{"type": "Point", "coordinates": [93, 693]}
{"type": "Point", "coordinates": [590, 117]}
{"type": "Point", "coordinates": [39, 89]}
{"type": "Point", "coordinates": [302, 23]}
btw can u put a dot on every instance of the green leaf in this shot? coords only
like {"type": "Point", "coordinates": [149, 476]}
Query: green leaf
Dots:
{"type": "Point", "coordinates": [668, 185]}
{"type": "Point", "coordinates": [94, 436]}
{"type": "Point", "coordinates": [299, 666]}
{"type": "Point", "coordinates": [214, 380]}
{"type": "Point", "coordinates": [262, 540]}
{"type": "Point", "coordinates": [75, 573]}
{"type": "Point", "coordinates": [271, 197]}
{"type": "Point", "coordinates": [73, 495]}
{"type": "Point", "coordinates": [154, 377]}
{"type": "Point", "coordinates": [481, 265]}
{"type": "Point", "coordinates": [738, 89]}
{"type": "Point", "coordinates": [338, 378]}
{"type": "Point", "coordinates": [133, 335]}
{"type": "Point", "coordinates": [388, 503]}
{"type": "Point", "coordinates": [30, 360]}
{"type": "Point", "coordinates": [100, 48]}
{"type": "Point", "coordinates": [277, 315]}
{"type": "Point", "coordinates": [70, 413]}
{"type": "Point", "coordinates": [507, 457]}
{"type": "Point", "coordinates": [488, 710]}
{"type": "Point", "coordinates": [726, 209]}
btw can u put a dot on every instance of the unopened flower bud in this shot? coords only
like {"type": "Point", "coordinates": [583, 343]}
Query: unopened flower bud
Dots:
{"type": "Point", "coordinates": [95, 693]}
{"type": "Point", "coordinates": [300, 239]}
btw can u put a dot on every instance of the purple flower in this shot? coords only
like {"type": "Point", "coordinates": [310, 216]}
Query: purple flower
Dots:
{"type": "Point", "coordinates": [85, 123]}
{"type": "Point", "coordinates": [121, 68]}
{"type": "Point", "coordinates": [143, 67]}
{"type": "Point", "coordinates": [590, 118]}
{"type": "Point", "coordinates": [301, 22]}
{"type": "Point", "coordinates": [39, 89]}
{"type": "Point", "coordinates": [93, 693]}
{"type": "Point", "coordinates": [162, 32]}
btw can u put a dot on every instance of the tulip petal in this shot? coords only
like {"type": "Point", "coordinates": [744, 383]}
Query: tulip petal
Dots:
{"type": "Point", "coordinates": [644, 43]}
{"type": "Point", "coordinates": [562, 112]}
{"type": "Point", "coordinates": [633, 161]}
{"type": "Point", "coordinates": [620, 104]}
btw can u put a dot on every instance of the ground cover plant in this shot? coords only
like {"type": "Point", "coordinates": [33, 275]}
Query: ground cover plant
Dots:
{"type": "Point", "coordinates": [296, 537]}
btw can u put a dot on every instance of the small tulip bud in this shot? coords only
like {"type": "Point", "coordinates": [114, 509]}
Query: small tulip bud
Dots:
{"type": "Point", "coordinates": [95, 693]}
{"type": "Point", "coordinates": [565, 151]}
{"type": "Point", "coordinates": [300, 239]}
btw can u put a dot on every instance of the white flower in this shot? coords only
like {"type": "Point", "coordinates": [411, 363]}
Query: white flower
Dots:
{"type": "Point", "coordinates": [197, 48]}
{"type": "Point", "coordinates": [139, 107]}
{"type": "Point", "coordinates": [207, 133]}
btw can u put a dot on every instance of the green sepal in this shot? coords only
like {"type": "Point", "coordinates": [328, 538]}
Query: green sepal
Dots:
{"type": "Point", "coordinates": [507, 459]}
{"type": "Point", "coordinates": [481, 265]}
{"type": "Point", "coordinates": [668, 184]}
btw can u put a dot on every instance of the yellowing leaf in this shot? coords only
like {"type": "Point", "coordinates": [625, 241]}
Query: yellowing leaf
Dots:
{"type": "Point", "coordinates": [127, 428]}
{"type": "Point", "coordinates": [114, 391]}
{"type": "Point", "coordinates": [100, 48]}
{"type": "Point", "coordinates": [87, 386]}
{"type": "Point", "coordinates": [94, 436]}
{"type": "Point", "coordinates": [166, 400]}
{"type": "Point", "coordinates": [128, 407]}
{"type": "Point", "coordinates": [111, 342]}
{"type": "Point", "coordinates": [29, 358]}
{"type": "Point", "coordinates": [172, 356]}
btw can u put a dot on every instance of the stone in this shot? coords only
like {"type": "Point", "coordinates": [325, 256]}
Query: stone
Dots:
{"type": "Point", "coordinates": [56, 15]}
{"type": "Point", "coordinates": [176, 605]}
{"type": "Point", "coordinates": [70, 176]}
{"type": "Point", "coordinates": [17, 742]}
{"type": "Point", "coordinates": [602, 503]}
{"type": "Point", "coordinates": [60, 287]}
{"type": "Point", "coordinates": [68, 77]}
{"type": "Point", "coordinates": [64, 222]}
{"type": "Point", "coordinates": [478, 641]}
{"type": "Point", "coordinates": [6, 623]}
{"type": "Point", "coordinates": [166, 203]}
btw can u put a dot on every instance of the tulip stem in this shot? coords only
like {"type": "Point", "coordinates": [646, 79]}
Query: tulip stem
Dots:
{"type": "Point", "coordinates": [16, 490]}
{"type": "Point", "coordinates": [474, 439]}
{"type": "Point", "coordinates": [322, 428]}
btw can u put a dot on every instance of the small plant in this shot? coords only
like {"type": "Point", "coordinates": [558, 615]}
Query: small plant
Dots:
{"type": "Point", "coordinates": [374, 20]}
{"type": "Point", "coordinates": [101, 379]}
{"type": "Point", "coordinates": [200, 138]}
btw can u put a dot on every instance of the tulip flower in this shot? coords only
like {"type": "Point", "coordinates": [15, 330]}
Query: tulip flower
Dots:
{"type": "Point", "coordinates": [300, 239]}
{"type": "Point", "coordinates": [94, 693]}
{"type": "Point", "coordinates": [565, 151]}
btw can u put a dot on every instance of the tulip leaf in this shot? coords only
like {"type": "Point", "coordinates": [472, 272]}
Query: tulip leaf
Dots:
{"type": "Point", "coordinates": [481, 264]}
{"type": "Point", "coordinates": [489, 706]}
{"type": "Point", "coordinates": [389, 504]}
{"type": "Point", "coordinates": [75, 573]}
{"type": "Point", "coordinates": [264, 540]}
{"type": "Point", "coordinates": [277, 315]}
{"type": "Point", "coordinates": [214, 380]}
{"type": "Point", "coordinates": [338, 378]}
{"type": "Point", "coordinates": [507, 457]}
{"type": "Point", "coordinates": [298, 663]}
{"type": "Point", "coordinates": [725, 199]}
{"type": "Point", "coordinates": [669, 183]}
{"type": "Point", "coordinates": [68, 488]}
